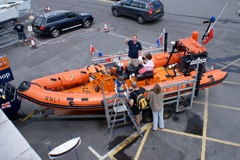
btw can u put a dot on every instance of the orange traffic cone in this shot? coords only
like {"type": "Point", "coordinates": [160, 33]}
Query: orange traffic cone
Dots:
{"type": "Point", "coordinates": [33, 45]}
{"type": "Point", "coordinates": [105, 29]}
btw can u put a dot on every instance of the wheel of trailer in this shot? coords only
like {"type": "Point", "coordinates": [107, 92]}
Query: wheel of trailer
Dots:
{"type": "Point", "coordinates": [147, 116]}
{"type": "Point", "coordinates": [181, 107]}
{"type": "Point", "coordinates": [167, 112]}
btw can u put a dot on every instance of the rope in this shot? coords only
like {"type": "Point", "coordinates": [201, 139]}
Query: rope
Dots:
{"type": "Point", "coordinates": [71, 36]}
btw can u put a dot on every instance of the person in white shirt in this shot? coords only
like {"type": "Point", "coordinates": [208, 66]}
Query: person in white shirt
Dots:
{"type": "Point", "coordinates": [148, 64]}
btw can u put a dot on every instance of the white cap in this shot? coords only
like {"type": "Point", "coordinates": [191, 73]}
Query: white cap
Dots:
{"type": "Point", "coordinates": [173, 43]}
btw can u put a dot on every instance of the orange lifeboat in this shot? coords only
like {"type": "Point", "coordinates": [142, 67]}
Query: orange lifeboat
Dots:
{"type": "Point", "coordinates": [83, 89]}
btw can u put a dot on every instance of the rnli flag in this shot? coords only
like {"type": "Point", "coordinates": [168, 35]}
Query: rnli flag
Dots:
{"type": "Point", "coordinates": [209, 36]}
{"type": "Point", "coordinates": [92, 49]}
{"type": "Point", "coordinates": [159, 41]}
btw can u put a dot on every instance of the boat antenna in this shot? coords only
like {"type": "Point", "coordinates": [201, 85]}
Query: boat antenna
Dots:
{"type": "Point", "coordinates": [220, 13]}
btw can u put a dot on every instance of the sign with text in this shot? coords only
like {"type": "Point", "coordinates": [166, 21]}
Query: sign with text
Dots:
{"type": "Point", "coordinates": [5, 71]}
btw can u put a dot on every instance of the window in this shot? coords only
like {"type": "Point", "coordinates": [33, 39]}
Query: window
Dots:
{"type": "Point", "coordinates": [135, 4]}
{"type": "Point", "coordinates": [142, 5]}
{"type": "Point", "coordinates": [156, 5]}
{"type": "Point", "coordinates": [51, 19]}
{"type": "Point", "coordinates": [71, 15]}
{"type": "Point", "coordinates": [38, 21]}
{"type": "Point", "coordinates": [60, 17]}
{"type": "Point", "coordinates": [126, 2]}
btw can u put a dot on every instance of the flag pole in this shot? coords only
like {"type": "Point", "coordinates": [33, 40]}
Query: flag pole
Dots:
{"type": "Point", "coordinates": [163, 37]}
{"type": "Point", "coordinates": [90, 51]}
{"type": "Point", "coordinates": [208, 28]}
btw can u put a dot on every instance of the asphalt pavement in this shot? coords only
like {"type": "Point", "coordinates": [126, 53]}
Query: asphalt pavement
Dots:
{"type": "Point", "coordinates": [210, 130]}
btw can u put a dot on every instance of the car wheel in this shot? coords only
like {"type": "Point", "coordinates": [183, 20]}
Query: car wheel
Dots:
{"type": "Point", "coordinates": [55, 33]}
{"type": "Point", "coordinates": [115, 12]}
{"type": "Point", "coordinates": [140, 19]}
{"type": "Point", "coordinates": [87, 23]}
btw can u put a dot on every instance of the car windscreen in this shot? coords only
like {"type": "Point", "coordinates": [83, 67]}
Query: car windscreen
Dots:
{"type": "Point", "coordinates": [156, 5]}
{"type": "Point", "coordinates": [38, 21]}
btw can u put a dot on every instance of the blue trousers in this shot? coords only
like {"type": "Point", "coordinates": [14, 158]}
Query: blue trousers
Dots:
{"type": "Point", "coordinates": [158, 119]}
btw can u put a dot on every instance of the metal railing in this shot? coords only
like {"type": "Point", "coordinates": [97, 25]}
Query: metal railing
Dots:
{"type": "Point", "coordinates": [8, 40]}
{"type": "Point", "coordinates": [123, 56]}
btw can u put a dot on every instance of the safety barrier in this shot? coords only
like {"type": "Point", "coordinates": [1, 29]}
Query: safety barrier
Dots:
{"type": "Point", "coordinates": [8, 38]}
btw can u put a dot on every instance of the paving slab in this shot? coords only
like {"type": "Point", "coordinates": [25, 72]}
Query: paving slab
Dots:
{"type": "Point", "coordinates": [233, 73]}
{"type": "Point", "coordinates": [225, 94]}
{"type": "Point", "coordinates": [216, 151]}
{"type": "Point", "coordinates": [189, 121]}
{"type": "Point", "coordinates": [165, 146]}
{"type": "Point", "coordinates": [223, 124]}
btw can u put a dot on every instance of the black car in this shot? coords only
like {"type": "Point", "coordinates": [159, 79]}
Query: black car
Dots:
{"type": "Point", "coordinates": [53, 23]}
{"type": "Point", "coordinates": [142, 10]}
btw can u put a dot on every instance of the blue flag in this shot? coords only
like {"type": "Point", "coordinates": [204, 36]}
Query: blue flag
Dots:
{"type": "Point", "coordinates": [159, 41]}
{"type": "Point", "coordinates": [100, 54]}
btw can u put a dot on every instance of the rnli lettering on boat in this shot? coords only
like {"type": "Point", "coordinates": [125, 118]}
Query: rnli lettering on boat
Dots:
{"type": "Point", "coordinates": [52, 99]}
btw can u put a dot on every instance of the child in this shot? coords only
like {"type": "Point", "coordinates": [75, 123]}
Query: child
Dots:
{"type": "Point", "coordinates": [148, 64]}
{"type": "Point", "coordinates": [119, 82]}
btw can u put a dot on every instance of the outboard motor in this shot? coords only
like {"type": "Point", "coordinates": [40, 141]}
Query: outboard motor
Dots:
{"type": "Point", "coordinates": [185, 65]}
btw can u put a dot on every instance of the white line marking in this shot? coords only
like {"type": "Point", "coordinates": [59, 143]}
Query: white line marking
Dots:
{"type": "Point", "coordinates": [230, 82]}
{"type": "Point", "coordinates": [94, 152]}
{"type": "Point", "coordinates": [230, 63]}
{"type": "Point", "coordinates": [106, 1]}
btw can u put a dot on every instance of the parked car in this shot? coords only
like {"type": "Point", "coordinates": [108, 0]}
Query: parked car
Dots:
{"type": "Point", "coordinates": [142, 10]}
{"type": "Point", "coordinates": [53, 23]}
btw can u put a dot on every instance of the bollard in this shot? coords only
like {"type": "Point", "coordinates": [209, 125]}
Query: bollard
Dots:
{"type": "Point", "coordinates": [195, 35]}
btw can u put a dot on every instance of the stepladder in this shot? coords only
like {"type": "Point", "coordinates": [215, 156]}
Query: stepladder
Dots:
{"type": "Point", "coordinates": [120, 107]}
